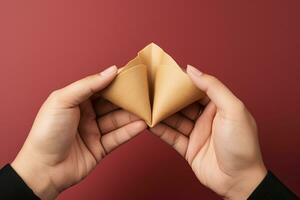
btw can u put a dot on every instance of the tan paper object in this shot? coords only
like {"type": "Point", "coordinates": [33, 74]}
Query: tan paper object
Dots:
{"type": "Point", "coordinates": [152, 86]}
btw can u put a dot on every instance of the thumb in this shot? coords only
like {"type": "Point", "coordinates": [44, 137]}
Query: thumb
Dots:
{"type": "Point", "coordinates": [218, 93]}
{"type": "Point", "coordinates": [79, 91]}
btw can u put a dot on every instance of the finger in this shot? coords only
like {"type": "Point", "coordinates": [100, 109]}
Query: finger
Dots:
{"type": "Point", "coordinates": [117, 137]}
{"type": "Point", "coordinates": [215, 90]}
{"type": "Point", "coordinates": [115, 120]}
{"type": "Point", "coordinates": [192, 111]}
{"type": "Point", "coordinates": [89, 132]}
{"type": "Point", "coordinates": [79, 91]}
{"type": "Point", "coordinates": [204, 101]}
{"type": "Point", "coordinates": [103, 106]}
{"type": "Point", "coordinates": [201, 131]}
{"type": "Point", "coordinates": [180, 123]}
{"type": "Point", "coordinates": [172, 137]}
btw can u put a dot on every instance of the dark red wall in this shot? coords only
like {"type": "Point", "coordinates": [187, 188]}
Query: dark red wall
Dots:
{"type": "Point", "coordinates": [253, 46]}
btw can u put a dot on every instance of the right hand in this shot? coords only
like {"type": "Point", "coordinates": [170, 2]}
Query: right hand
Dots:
{"type": "Point", "coordinates": [221, 145]}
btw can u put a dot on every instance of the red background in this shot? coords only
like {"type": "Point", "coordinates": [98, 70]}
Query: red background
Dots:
{"type": "Point", "coordinates": [252, 46]}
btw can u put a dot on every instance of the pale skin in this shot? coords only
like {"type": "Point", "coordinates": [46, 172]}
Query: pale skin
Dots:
{"type": "Point", "coordinates": [67, 140]}
{"type": "Point", "coordinates": [220, 144]}
{"type": "Point", "coordinates": [73, 132]}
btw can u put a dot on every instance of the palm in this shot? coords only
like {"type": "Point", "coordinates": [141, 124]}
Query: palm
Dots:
{"type": "Point", "coordinates": [68, 153]}
{"type": "Point", "coordinates": [79, 137]}
{"type": "Point", "coordinates": [208, 164]}
{"type": "Point", "coordinates": [211, 143]}
{"type": "Point", "coordinates": [77, 163]}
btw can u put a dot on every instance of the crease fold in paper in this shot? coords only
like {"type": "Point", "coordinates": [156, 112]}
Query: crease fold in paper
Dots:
{"type": "Point", "coordinates": [152, 86]}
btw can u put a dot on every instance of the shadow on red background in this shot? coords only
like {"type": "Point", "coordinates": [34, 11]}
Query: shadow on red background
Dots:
{"type": "Point", "coordinates": [253, 46]}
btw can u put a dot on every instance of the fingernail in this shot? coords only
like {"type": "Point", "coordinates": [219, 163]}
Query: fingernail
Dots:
{"type": "Point", "coordinates": [109, 71]}
{"type": "Point", "coordinates": [194, 70]}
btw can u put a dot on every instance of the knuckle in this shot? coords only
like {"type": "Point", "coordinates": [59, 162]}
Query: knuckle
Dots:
{"type": "Point", "coordinates": [240, 106]}
{"type": "Point", "coordinates": [253, 122]}
{"type": "Point", "coordinates": [237, 111]}
{"type": "Point", "coordinates": [54, 95]}
{"type": "Point", "coordinates": [89, 79]}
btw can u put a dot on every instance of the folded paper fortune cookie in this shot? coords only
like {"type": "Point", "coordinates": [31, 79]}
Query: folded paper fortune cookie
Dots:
{"type": "Point", "coordinates": [152, 86]}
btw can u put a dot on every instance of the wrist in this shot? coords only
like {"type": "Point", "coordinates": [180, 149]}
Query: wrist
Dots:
{"type": "Point", "coordinates": [246, 183]}
{"type": "Point", "coordinates": [35, 176]}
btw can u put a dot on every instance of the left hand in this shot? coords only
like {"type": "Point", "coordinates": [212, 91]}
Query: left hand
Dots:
{"type": "Point", "coordinates": [67, 140]}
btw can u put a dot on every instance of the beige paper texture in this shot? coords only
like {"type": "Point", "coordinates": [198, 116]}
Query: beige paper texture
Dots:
{"type": "Point", "coordinates": [152, 86]}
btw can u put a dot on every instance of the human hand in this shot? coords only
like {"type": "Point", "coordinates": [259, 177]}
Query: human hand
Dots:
{"type": "Point", "coordinates": [221, 145]}
{"type": "Point", "coordinates": [67, 138]}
